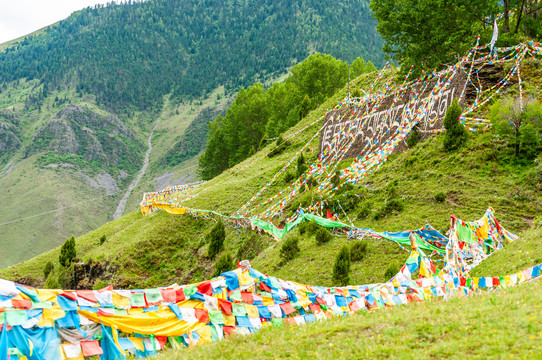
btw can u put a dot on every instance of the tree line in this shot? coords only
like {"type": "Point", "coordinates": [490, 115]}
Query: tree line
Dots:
{"type": "Point", "coordinates": [257, 113]}
{"type": "Point", "coordinates": [132, 54]}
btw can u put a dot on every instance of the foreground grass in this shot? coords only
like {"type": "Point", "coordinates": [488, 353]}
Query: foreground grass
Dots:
{"type": "Point", "coordinates": [505, 324]}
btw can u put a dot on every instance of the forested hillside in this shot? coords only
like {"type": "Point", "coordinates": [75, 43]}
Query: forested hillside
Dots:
{"type": "Point", "coordinates": [79, 100]}
{"type": "Point", "coordinates": [133, 54]}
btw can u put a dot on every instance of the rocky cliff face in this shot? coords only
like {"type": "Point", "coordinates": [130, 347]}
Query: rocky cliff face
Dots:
{"type": "Point", "coordinates": [88, 135]}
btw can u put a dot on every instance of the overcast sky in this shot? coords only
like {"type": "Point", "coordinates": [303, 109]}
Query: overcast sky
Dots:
{"type": "Point", "coordinates": [21, 17]}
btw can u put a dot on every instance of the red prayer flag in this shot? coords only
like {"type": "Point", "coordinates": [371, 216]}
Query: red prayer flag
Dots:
{"type": "Point", "coordinates": [168, 295]}
{"type": "Point", "coordinates": [264, 287]}
{"type": "Point", "coordinates": [247, 297]}
{"type": "Point", "coordinates": [179, 295]}
{"type": "Point", "coordinates": [228, 330]}
{"type": "Point", "coordinates": [328, 215]}
{"type": "Point", "coordinates": [70, 295]}
{"type": "Point", "coordinates": [205, 288]}
{"type": "Point", "coordinates": [287, 308]}
{"type": "Point", "coordinates": [91, 348]}
{"type": "Point", "coordinates": [162, 340]}
{"type": "Point", "coordinates": [202, 315]}
{"type": "Point", "coordinates": [21, 304]}
{"type": "Point", "coordinates": [225, 306]}
{"type": "Point", "coordinates": [87, 295]}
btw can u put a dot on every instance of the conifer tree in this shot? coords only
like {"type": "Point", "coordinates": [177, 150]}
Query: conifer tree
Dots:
{"type": "Point", "coordinates": [341, 270]}
{"type": "Point", "coordinates": [67, 252]}
{"type": "Point", "coordinates": [216, 238]}
{"type": "Point", "coordinates": [455, 134]}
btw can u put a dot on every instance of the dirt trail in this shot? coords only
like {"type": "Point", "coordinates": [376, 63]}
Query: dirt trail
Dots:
{"type": "Point", "coordinates": [122, 203]}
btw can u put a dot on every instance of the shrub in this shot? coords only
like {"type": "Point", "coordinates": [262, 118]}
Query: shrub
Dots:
{"type": "Point", "coordinates": [216, 238]}
{"type": "Point", "coordinates": [341, 269]}
{"type": "Point", "coordinates": [410, 160]}
{"type": "Point", "coordinates": [102, 239]}
{"type": "Point", "coordinates": [392, 206]}
{"type": "Point", "coordinates": [391, 271]}
{"type": "Point", "coordinates": [48, 268]}
{"type": "Point", "coordinates": [358, 250]}
{"type": "Point", "coordinates": [440, 196]}
{"type": "Point", "coordinates": [309, 227]}
{"type": "Point", "coordinates": [365, 211]}
{"type": "Point", "coordinates": [455, 134]}
{"type": "Point", "coordinates": [289, 249]}
{"type": "Point", "coordinates": [414, 137]}
{"type": "Point", "coordinates": [322, 236]}
{"type": "Point", "coordinates": [289, 176]}
{"type": "Point", "coordinates": [224, 263]}
{"type": "Point", "coordinates": [280, 147]}
{"type": "Point", "coordinates": [67, 252]}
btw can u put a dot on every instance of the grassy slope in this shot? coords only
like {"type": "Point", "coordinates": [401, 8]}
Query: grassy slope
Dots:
{"type": "Point", "coordinates": [162, 248]}
{"type": "Point", "coordinates": [504, 324]}
{"type": "Point", "coordinates": [32, 190]}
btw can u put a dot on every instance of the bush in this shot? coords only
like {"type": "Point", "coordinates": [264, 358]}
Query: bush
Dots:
{"type": "Point", "coordinates": [455, 134]}
{"type": "Point", "coordinates": [391, 271]}
{"type": "Point", "coordinates": [323, 236]}
{"type": "Point", "coordinates": [289, 249]}
{"type": "Point", "coordinates": [440, 196]}
{"type": "Point", "coordinates": [341, 269]}
{"type": "Point", "coordinates": [216, 238]}
{"type": "Point", "coordinates": [224, 263]}
{"type": "Point", "coordinates": [280, 147]}
{"type": "Point", "coordinates": [392, 206]}
{"type": "Point", "coordinates": [413, 138]}
{"type": "Point", "coordinates": [358, 250]}
{"type": "Point", "coordinates": [67, 252]}
{"type": "Point", "coordinates": [48, 268]}
{"type": "Point", "coordinates": [365, 211]}
{"type": "Point", "coordinates": [289, 176]}
{"type": "Point", "coordinates": [102, 239]}
{"type": "Point", "coordinates": [309, 227]}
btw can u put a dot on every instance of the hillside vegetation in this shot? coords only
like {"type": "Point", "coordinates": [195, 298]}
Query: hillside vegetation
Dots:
{"type": "Point", "coordinates": [161, 248]}
{"type": "Point", "coordinates": [503, 324]}
{"type": "Point", "coordinates": [78, 99]}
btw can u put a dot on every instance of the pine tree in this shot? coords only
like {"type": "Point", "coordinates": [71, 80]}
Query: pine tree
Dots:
{"type": "Point", "coordinates": [67, 252]}
{"type": "Point", "coordinates": [455, 134]}
{"type": "Point", "coordinates": [216, 238]}
{"type": "Point", "coordinates": [341, 270]}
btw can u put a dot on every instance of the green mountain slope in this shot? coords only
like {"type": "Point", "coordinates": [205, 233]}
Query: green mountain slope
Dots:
{"type": "Point", "coordinates": [162, 248]}
{"type": "Point", "coordinates": [79, 99]}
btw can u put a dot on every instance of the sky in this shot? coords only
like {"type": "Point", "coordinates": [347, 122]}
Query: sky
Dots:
{"type": "Point", "coordinates": [21, 17]}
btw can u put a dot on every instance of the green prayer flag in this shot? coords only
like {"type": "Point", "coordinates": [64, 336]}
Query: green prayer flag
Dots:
{"type": "Point", "coordinates": [42, 305]}
{"type": "Point", "coordinates": [154, 295]}
{"type": "Point", "coordinates": [137, 300]}
{"type": "Point", "coordinates": [238, 310]}
{"type": "Point", "coordinates": [16, 317]}
{"type": "Point", "coordinates": [190, 290]}
{"type": "Point", "coordinates": [120, 312]}
{"type": "Point", "coordinates": [277, 322]}
{"type": "Point", "coordinates": [236, 295]}
{"type": "Point", "coordinates": [214, 334]}
{"type": "Point", "coordinates": [216, 317]}
{"type": "Point", "coordinates": [464, 233]}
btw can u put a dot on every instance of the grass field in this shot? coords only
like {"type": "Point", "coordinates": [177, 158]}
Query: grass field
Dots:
{"type": "Point", "coordinates": [501, 325]}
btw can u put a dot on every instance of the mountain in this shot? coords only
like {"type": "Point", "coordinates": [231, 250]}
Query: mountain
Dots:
{"type": "Point", "coordinates": [426, 183]}
{"type": "Point", "coordinates": [81, 99]}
